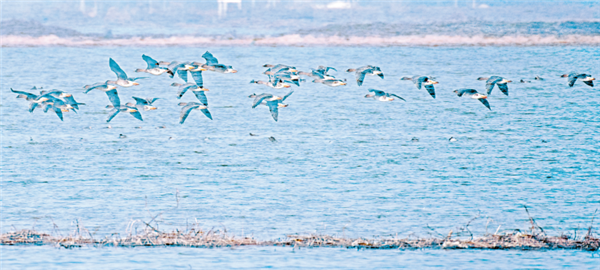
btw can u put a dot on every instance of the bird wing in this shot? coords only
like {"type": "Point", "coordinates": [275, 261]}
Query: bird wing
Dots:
{"type": "Point", "coordinates": [71, 101]}
{"type": "Point", "coordinates": [151, 62]}
{"type": "Point", "coordinates": [504, 88]}
{"type": "Point", "coordinates": [258, 99]}
{"type": "Point", "coordinates": [93, 86]}
{"type": "Point", "coordinates": [29, 95]}
{"type": "Point", "coordinates": [117, 69]}
{"type": "Point", "coordinates": [380, 74]}
{"type": "Point", "coordinates": [430, 89]}
{"type": "Point", "coordinates": [185, 111]}
{"type": "Point", "coordinates": [590, 83]}
{"type": "Point", "coordinates": [396, 96]}
{"type": "Point", "coordinates": [486, 103]}
{"type": "Point", "coordinates": [32, 106]}
{"type": "Point", "coordinates": [274, 108]}
{"type": "Point", "coordinates": [137, 115]}
{"type": "Point", "coordinates": [462, 92]}
{"type": "Point", "coordinates": [489, 84]}
{"type": "Point", "coordinates": [418, 80]}
{"type": "Point", "coordinates": [58, 112]}
{"type": "Point", "coordinates": [360, 77]}
{"type": "Point", "coordinates": [207, 113]}
{"type": "Point", "coordinates": [183, 89]}
{"type": "Point", "coordinates": [201, 97]}
{"type": "Point", "coordinates": [197, 76]}
{"type": "Point", "coordinates": [287, 95]}
{"type": "Point", "coordinates": [113, 113]}
{"type": "Point", "coordinates": [173, 68]}
{"type": "Point", "coordinates": [572, 79]}
{"type": "Point", "coordinates": [182, 74]}
{"type": "Point", "coordinates": [136, 78]}
{"type": "Point", "coordinates": [151, 100]}
{"type": "Point", "coordinates": [377, 92]}
{"type": "Point", "coordinates": [210, 59]}
{"type": "Point", "coordinates": [46, 106]}
{"type": "Point", "coordinates": [140, 101]}
{"type": "Point", "coordinates": [113, 96]}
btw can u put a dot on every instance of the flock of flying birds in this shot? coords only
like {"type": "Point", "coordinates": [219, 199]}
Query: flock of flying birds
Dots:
{"type": "Point", "coordinates": [280, 76]}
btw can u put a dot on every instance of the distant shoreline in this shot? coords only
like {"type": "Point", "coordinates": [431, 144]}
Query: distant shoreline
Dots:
{"type": "Point", "coordinates": [296, 40]}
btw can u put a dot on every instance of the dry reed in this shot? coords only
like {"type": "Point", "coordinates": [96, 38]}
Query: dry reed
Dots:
{"type": "Point", "coordinates": [196, 237]}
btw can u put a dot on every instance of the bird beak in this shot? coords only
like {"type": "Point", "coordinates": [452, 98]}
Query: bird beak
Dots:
{"type": "Point", "coordinates": [233, 71]}
{"type": "Point", "coordinates": [508, 81]}
{"type": "Point", "coordinates": [589, 79]}
{"type": "Point", "coordinates": [342, 83]}
{"type": "Point", "coordinates": [433, 82]}
{"type": "Point", "coordinates": [292, 70]}
{"type": "Point", "coordinates": [483, 97]}
{"type": "Point", "coordinates": [64, 110]}
{"type": "Point", "coordinates": [205, 89]}
{"type": "Point", "coordinates": [131, 110]}
{"type": "Point", "coordinates": [286, 85]}
{"type": "Point", "coordinates": [134, 83]}
{"type": "Point", "coordinates": [151, 108]}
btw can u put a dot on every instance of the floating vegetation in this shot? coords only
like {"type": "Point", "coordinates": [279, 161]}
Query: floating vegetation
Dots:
{"type": "Point", "coordinates": [215, 239]}
{"type": "Point", "coordinates": [534, 238]}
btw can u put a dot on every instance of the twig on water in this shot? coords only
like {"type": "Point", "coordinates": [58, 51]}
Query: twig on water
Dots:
{"type": "Point", "coordinates": [533, 223]}
{"type": "Point", "coordinates": [589, 234]}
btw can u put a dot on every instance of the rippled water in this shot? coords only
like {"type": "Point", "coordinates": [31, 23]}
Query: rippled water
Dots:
{"type": "Point", "coordinates": [342, 164]}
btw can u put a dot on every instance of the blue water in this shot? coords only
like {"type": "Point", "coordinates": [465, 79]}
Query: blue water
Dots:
{"type": "Point", "coordinates": [288, 258]}
{"type": "Point", "coordinates": [342, 164]}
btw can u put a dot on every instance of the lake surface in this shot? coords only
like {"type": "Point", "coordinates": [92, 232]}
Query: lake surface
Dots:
{"type": "Point", "coordinates": [342, 164]}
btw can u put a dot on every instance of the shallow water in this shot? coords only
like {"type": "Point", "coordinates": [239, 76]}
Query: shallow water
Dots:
{"type": "Point", "coordinates": [342, 164]}
{"type": "Point", "coordinates": [288, 258]}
